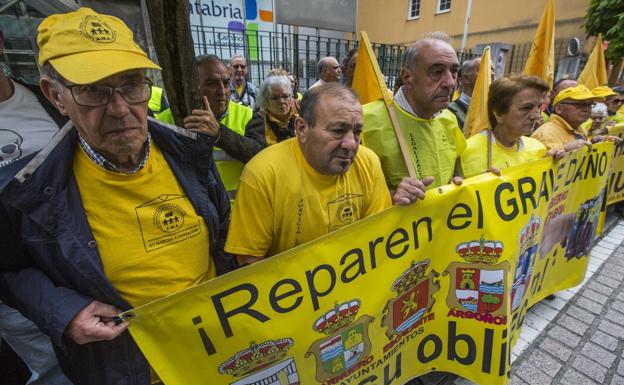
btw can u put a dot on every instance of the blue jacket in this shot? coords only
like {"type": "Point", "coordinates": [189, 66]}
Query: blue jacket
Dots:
{"type": "Point", "coordinates": [49, 259]}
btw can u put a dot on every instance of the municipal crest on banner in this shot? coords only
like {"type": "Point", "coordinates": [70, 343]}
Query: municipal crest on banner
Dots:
{"type": "Point", "coordinates": [478, 286]}
{"type": "Point", "coordinates": [347, 342]}
{"type": "Point", "coordinates": [529, 243]}
{"type": "Point", "coordinates": [262, 364]}
{"type": "Point", "coordinates": [414, 289]}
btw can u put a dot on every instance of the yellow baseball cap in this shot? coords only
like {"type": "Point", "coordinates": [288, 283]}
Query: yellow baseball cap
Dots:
{"type": "Point", "coordinates": [603, 91]}
{"type": "Point", "coordinates": [85, 46]}
{"type": "Point", "coordinates": [579, 92]}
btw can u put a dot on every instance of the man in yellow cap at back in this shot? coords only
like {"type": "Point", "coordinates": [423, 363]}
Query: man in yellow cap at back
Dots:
{"type": "Point", "coordinates": [117, 211]}
{"type": "Point", "coordinates": [571, 107]}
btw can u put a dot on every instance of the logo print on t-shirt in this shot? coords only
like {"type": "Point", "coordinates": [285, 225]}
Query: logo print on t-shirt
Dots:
{"type": "Point", "coordinates": [169, 218]}
{"type": "Point", "coordinates": [10, 147]}
{"type": "Point", "coordinates": [344, 210]}
{"type": "Point", "coordinates": [165, 220]}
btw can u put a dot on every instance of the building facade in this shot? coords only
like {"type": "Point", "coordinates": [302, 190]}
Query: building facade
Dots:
{"type": "Point", "coordinates": [507, 25]}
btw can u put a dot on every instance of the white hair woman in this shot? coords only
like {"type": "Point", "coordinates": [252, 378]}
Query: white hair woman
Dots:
{"type": "Point", "coordinates": [275, 98]}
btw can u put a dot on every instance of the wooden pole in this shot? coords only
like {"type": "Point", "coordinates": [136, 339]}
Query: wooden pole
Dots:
{"type": "Point", "coordinates": [171, 31]}
{"type": "Point", "coordinates": [405, 151]}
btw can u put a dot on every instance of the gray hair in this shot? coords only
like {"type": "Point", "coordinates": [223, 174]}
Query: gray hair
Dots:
{"type": "Point", "coordinates": [205, 59]}
{"type": "Point", "coordinates": [267, 85]}
{"type": "Point", "coordinates": [238, 56]}
{"type": "Point", "coordinates": [410, 56]}
{"type": "Point", "coordinates": [469, 65]}
{"type": "Point", "coordinates": [47, 71]}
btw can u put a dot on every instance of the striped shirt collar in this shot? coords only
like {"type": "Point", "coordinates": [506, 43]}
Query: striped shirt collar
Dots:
{"type": "Point", "coordinates": [101, 161]}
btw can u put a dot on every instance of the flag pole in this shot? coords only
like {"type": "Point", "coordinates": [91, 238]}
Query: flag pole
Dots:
{"type": "Point", "coordinates": [387, 98]}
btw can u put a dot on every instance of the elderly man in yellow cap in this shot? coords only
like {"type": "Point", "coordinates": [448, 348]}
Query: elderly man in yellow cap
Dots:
{"type": "Point", "coordinates": [571, 107]}
{"type": "Point", "coordinates": [115, 212]}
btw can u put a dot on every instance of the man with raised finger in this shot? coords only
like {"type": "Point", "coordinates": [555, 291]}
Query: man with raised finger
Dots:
{"type": "Point", "coordinates": [115, 212]}
{"type": "Point", "coordinates": [237, 131]}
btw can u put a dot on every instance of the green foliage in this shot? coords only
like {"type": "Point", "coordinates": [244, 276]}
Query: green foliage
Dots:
{"type": "Point", "coordinates": [607, 17]}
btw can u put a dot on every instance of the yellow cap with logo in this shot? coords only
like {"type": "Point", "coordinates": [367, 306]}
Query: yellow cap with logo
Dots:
{"type": "Point", "coordinates": [603, 91]}
{"type": "Point", "coordinates": [85, 46]}
{"type": "Point", "coordinates": [579, 92]}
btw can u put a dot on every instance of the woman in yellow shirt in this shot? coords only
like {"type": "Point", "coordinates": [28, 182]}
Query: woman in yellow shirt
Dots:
{"type": "Point", "coordinates": [276, 100]}
{"type": "Point", "coordinates": [514, 112]}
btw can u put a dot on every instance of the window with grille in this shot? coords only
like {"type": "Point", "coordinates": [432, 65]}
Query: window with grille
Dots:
{"type": "Point", "coordinates": [414, 9]}
{"type": "Point", "coordinates": [444, 6]}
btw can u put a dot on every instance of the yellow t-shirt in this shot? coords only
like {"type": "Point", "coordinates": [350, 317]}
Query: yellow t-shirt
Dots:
{"type": "Point", "coordinates": [283, 202]}
{"type": "Point", "coordinates": [474, 159]}
{"type": "Point", "coordinates": [151, 241]}
{"type": "Point", "coordinates": [435, 143]}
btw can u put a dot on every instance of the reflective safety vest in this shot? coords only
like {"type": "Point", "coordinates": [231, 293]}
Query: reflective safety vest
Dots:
{"type": "Point", "coordinates": [159, 107]}
{"type": "Point", "coordinates": [230, 168]}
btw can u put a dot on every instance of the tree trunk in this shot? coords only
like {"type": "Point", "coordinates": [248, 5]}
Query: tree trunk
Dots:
{"type": "Point", "coordinates": [171, 34]}
{"type": "Point", "coordinates": [616, 69]}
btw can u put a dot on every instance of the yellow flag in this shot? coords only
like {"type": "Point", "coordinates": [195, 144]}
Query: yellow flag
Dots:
{"type": "Point", "coordinates": [368, 81]}
{"type": "Point", "coordinates": [594, 73]}
{"type": "Point", "coordinates": [477, 116]}
{"type": "Point", "coordinates": [541, 61]}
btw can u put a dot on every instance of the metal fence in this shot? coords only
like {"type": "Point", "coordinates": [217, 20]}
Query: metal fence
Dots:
{"type": "Point", "coordinates": [297, 53]}
{"type": "Point", "coordinates": [520, 53]}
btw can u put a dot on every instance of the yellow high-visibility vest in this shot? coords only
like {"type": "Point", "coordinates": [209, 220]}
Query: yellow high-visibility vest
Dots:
{"type": "Point", "coordinates": [230, 168]}
{"type": "Point", "coordinates": [155, 105]}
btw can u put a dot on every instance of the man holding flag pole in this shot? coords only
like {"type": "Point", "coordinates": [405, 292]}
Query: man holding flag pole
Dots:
{"type": "Point", "coordinates": [417, 139]}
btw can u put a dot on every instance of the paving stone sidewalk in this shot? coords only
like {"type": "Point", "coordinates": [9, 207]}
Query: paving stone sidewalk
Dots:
{"type": "Point", "coordinates": [577, 338]}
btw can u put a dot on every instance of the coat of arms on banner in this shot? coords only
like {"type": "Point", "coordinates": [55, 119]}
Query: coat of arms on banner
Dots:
{"type": "Point", "coordinates": [529, 243]}
{"type": "Point", "coordinates": [264, 363]}
{"type": "Point", "coordinates": [347, 342]}
{"type": "Point", "coordinates": [477, 287]}
{"type": "Point", "coordinates": [414, 289]}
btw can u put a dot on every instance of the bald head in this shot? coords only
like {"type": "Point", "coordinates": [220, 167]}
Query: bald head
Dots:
{"type": "Point", "coordinates": [429, 75]}
{"type": "Point", "coordinates": [329, 69]}
{"type": "Point", "coordinates": [434, 39]}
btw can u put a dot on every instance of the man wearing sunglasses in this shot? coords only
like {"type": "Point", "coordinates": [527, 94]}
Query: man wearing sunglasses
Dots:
{"type": "Point", "coordinates": [243, 91]}
{"type": "Point", "coordinates": [115, 212]}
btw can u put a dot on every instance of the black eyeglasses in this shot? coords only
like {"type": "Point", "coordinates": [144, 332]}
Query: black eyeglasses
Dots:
{"type": "Point", "coordinates": [239, 66]}
{"type": "Point", "coordinates": [617, 101]}
{"type": "Point", "coordinates": [579, 104]}
{"type": "Point", "coordinates": [92, 95]}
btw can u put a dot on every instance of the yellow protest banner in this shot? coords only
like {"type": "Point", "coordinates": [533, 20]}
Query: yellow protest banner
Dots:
{"type": "Point", "coordinates": [615, 191]}
{"type": "Point", "coordinates": [439, 285]}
